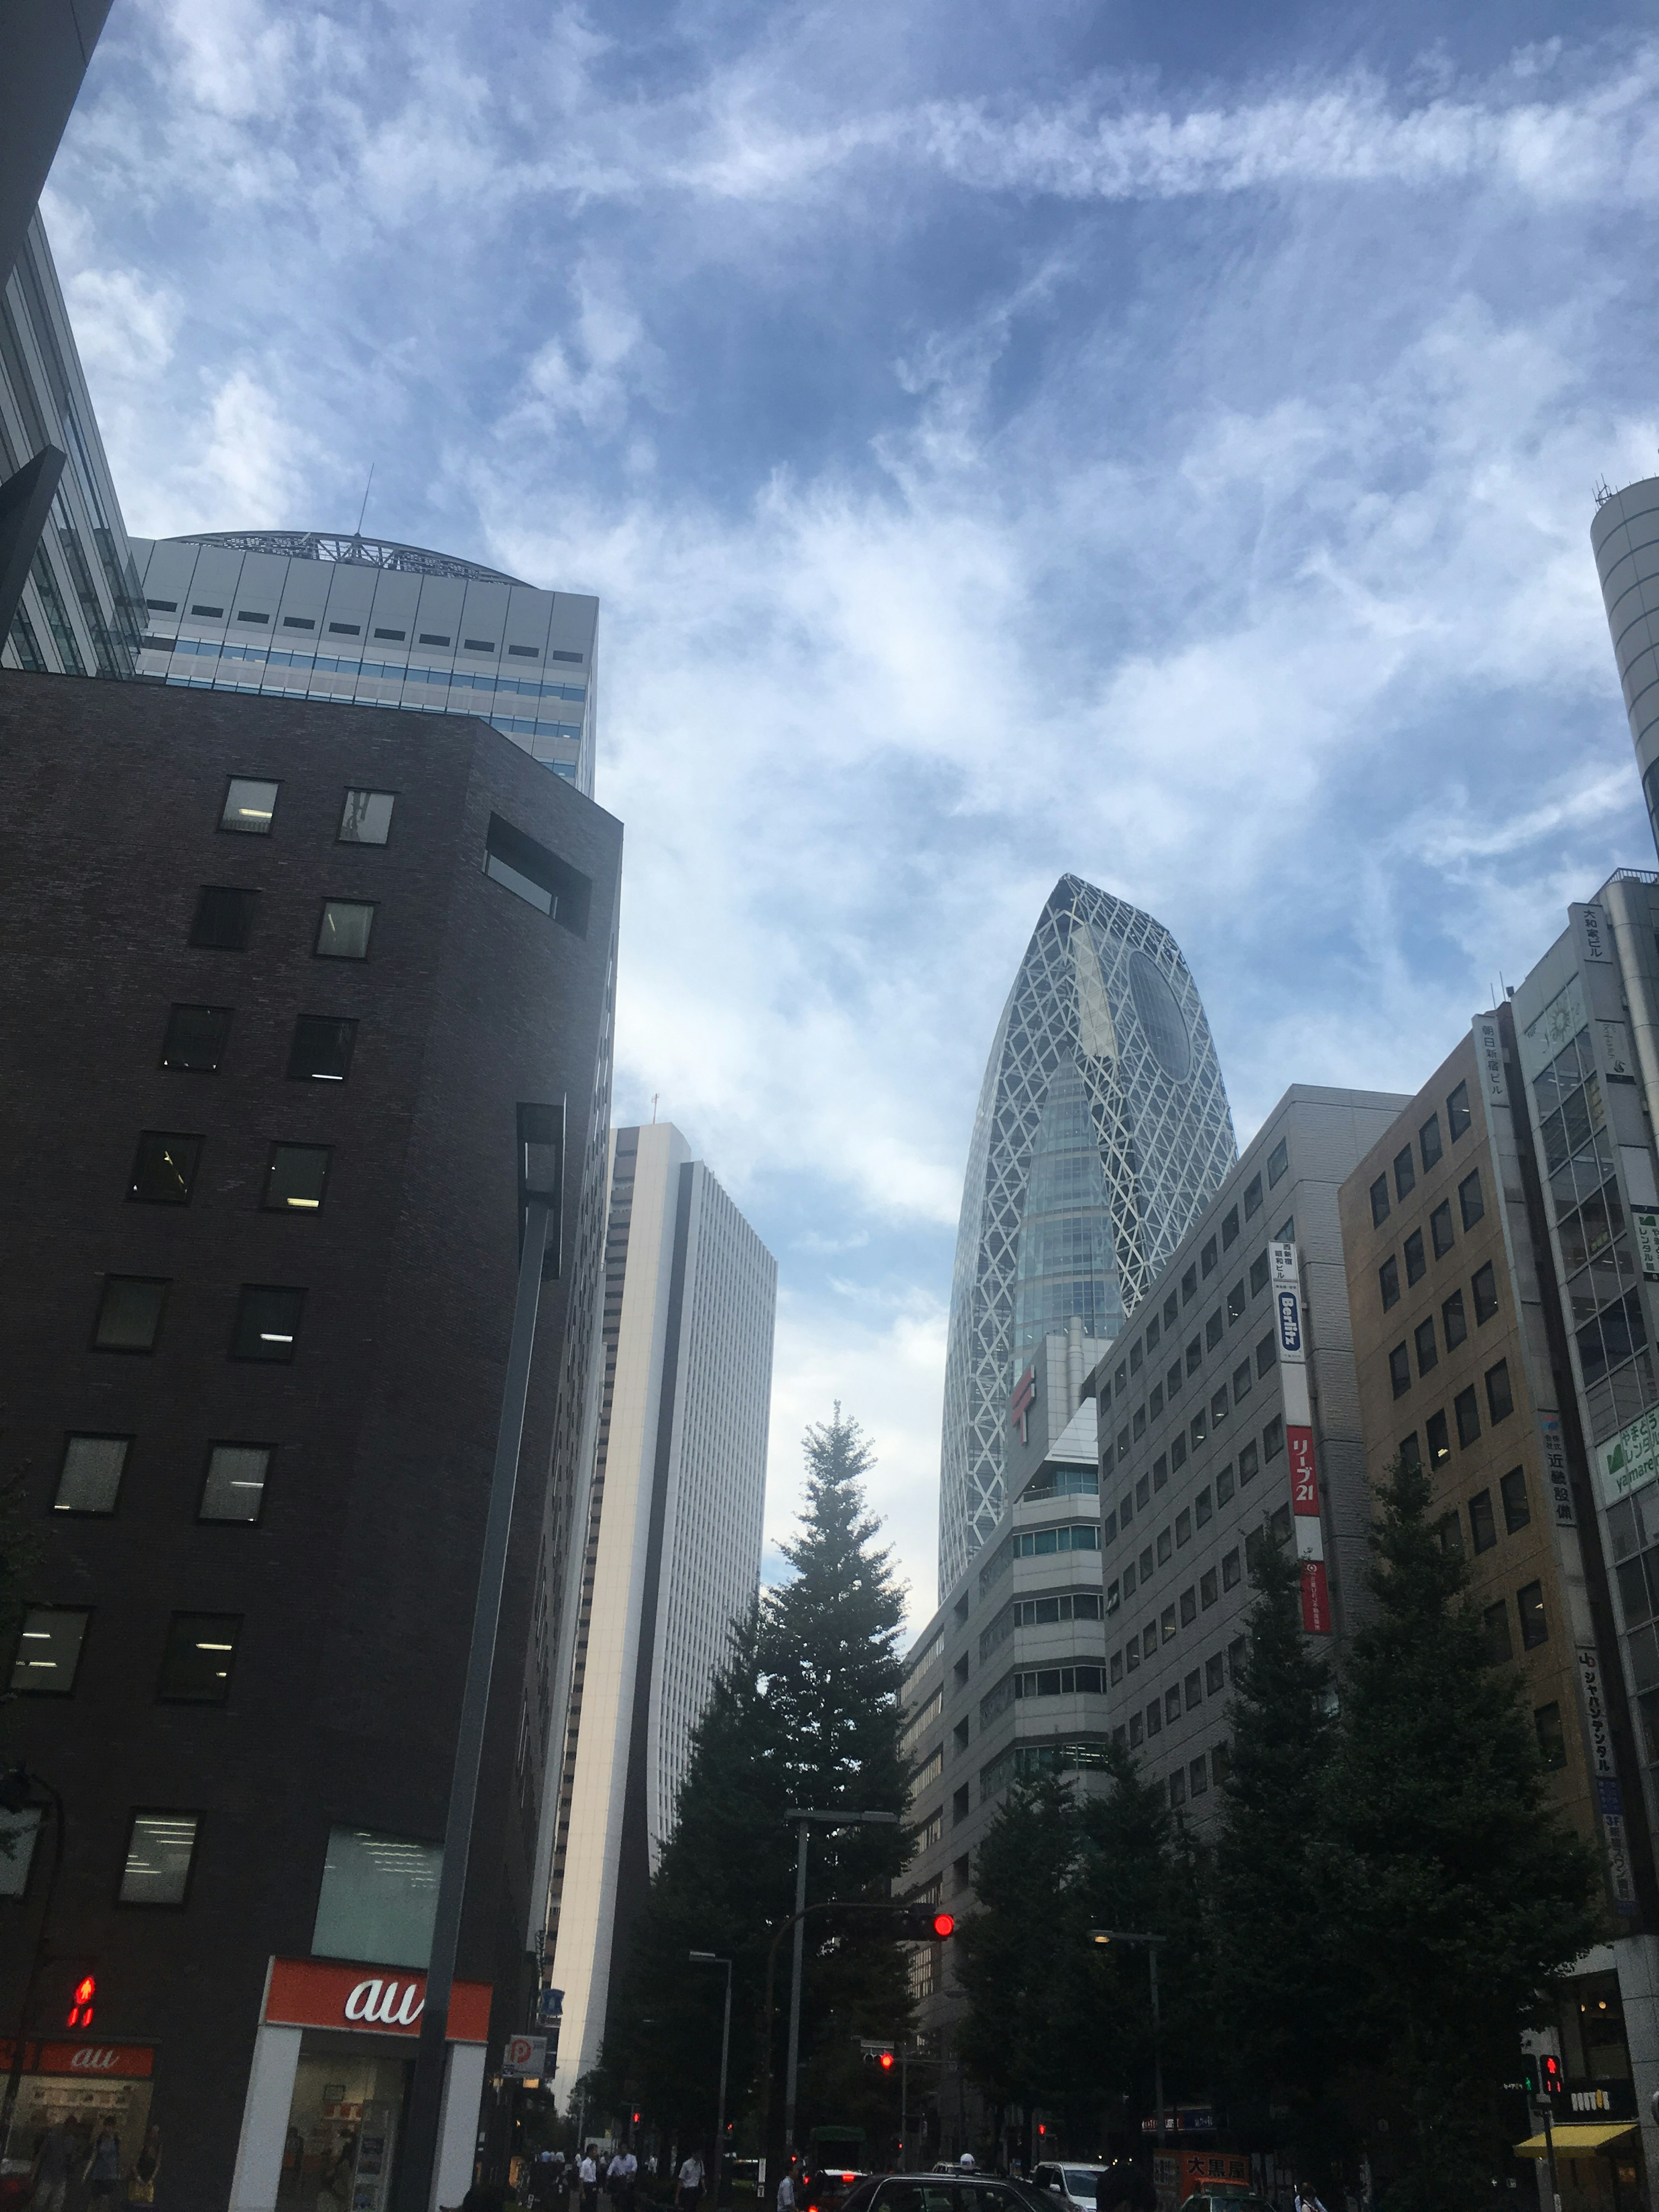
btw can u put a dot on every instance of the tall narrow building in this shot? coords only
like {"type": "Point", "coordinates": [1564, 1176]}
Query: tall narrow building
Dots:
{"type": "Point", "coordinates": [671, 1558]}
{"type": "Point", "coordinates": [1103, 1128]}
{"type": "Point", "coordinates": [1624, 539]}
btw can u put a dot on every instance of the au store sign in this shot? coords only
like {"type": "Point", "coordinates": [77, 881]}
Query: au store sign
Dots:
{"type": "Point", "coordinates": [1629, 1460]}
{"type": "Point", "coordinates": [373, 2000]}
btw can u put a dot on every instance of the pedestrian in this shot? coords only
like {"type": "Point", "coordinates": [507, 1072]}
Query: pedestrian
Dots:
{"type": "Point", "coordinates": [1307, 2199]}
{"type": "Point", "coordinates": [630, 2176]}
{"type": "Point", "coordinates": [54, 2158]}
{"type": "Point", "coordinates": [142, 2174]}
{"type": "Point", "coordinates": [104, 2168]}
{"type": "Point", "coordinates": [588, 2174]}
{"type": "Point", "coordinates": [690, 2183]}
{"type": "Point", "coordinates": [786, 2191]}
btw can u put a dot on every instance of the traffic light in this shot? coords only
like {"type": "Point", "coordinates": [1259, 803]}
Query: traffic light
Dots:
{"type": "Point", "coordinates": [81, 2002]}
{"type": "Point", "coordinates": [1549, 2071]}
{"type": "Point", "coordinates": [877, 2054]}
{"type": "Point", "coordinates": [923, 1924]}
{"type": "Point", "coordinates": [885, 2062]}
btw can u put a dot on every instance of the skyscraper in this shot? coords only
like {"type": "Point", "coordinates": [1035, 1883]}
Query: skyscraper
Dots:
{"type": "Point", "coordinates": [305, 613]}
{"type": "Point", "coordinates": [1624, 539]}
{"type": "Point", "coordinates": [671, 1556]}
{"type": "Point", "coordinates": [1102, 1127]}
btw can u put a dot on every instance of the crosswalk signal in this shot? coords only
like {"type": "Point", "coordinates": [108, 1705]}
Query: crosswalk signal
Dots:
{"type": "Point", "coordinates": [81, 2002]}
{"type": "Point", "coordinates": [1549, 2070]}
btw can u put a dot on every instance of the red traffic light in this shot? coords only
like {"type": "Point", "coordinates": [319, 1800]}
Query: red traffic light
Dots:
{"type": "Point", "coordinates": [885, 2062]}
{"type": "Point", "coordinates": [81, 2004]}
{"type": "Point", "coordinates": [944, 1923]}
{"type": "Point", "coordinates": [1549, 2068]}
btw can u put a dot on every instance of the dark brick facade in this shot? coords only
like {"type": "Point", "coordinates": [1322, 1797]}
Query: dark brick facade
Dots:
{"type": "Point", "coordinates": [356, 1588]}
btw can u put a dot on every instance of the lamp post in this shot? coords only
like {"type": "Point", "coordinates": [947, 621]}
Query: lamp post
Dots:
{"type": "Point", "coordinates": [16, 1790]}
{"type": "Point", "coordinates": [709, 1958]}
{"type": "Point", "coordinates": [803, 1824]}
{"type": "Point", "coordinates": [540, 1180]}
{"type": "Point", "coordinates": [1104, 1936]}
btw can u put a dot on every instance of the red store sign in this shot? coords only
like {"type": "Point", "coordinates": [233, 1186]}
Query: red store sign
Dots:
{"type": "Point", "coordinates": [379, 2000]}
{"type": "Point", "coordinates": [99, 2062]}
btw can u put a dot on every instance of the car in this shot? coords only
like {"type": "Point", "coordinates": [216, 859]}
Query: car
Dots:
{"type": "Point", "coordinates": [1067, 2179]}
{"type": "Point", "coordinates": [1226, 2199]}
{"type": "Point", "coordinates": [827, 2188]}
{"type": "Point", "coordinates": [948, 2188]}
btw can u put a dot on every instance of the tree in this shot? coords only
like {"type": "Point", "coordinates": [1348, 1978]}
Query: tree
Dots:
{"type": "Point", "coordinates": [1457, 1888]}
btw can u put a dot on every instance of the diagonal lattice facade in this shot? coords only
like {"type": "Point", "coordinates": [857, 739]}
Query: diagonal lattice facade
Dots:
{"type": "Point", "coordinates": [1102, 1127]}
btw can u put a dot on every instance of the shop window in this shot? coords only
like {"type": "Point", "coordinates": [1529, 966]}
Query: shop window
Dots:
{"type": "Point", "coordinates": [198, 1659]}
{"type": "Point", "coordinates": [1428, 1138]}
{"type": "Point", "coordinates": [164, 1168]}
{"type": "Point", "coordinates": [1483, 1525]}
{"type": "Point", "coordinates": [1380, 1208]}
{"type": "Point", "coordinates": [1516, 1512]}
{"type": "Point", "coordinates": [236, 1487]}
{"type": "Point", "coordinates": [89, 1480]}
{"type": "Point", "coordinates": [1454, 1321]}
{"type": "Point", "coordinates": [1485, 1287]}
{"type": "Point", "coordinates": [1535, 1628]}
{"type": "Point", "coordinates": [367, 819]}
{"type": "Point", "coordinates": [1440, 1226]}
{"type": "Point", "coordinates": [130, 1313]}
{"type": "Point", "coordinates": [1500, 1400]}
{"type": "Point", "coordinates": [344, 930]}
{"type": "Point", "coordinates": [1457, 1111]}
{"type": "Point", "coordinates": [196, 1040]}
{"type": "Point", "coordinates": [18, 1833]}
{"type": "Point", "coordinates": [267, 1322]}
{"type": "Point", "coordinates": [296, 1178]}
{"type": "Point", "coordinates": [1439, 1442]}
{"type": "Point", "coordinates": [223, 918]}
{"type": "Point", "coordinates": [1495, 1621]}
{"type": "Point", "coordinates": [1470, 1199]}
{"type": "Point", "coordinates": [1551, 1736]}
{"type": "Point", "coordinates": [1404, 1174]}
{"type": "Point", "coordinates": [250, 806]}
{"type": "Point", "coordinates": [1388, 1280]}
{"type": "Point", "coordinates": [322, 1048]}
{"type": "Point", "coordinates": [1417, 1264]}
{"type": "Point", "coordinates": [49, 1650]}
{"type": "Point", "coordinates": [160, 1855]}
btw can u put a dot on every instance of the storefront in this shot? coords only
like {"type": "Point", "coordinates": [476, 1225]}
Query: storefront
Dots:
{"type": "Point", "coordinates": [84, 2084]}
{"type": "Point", "coordinates": [323, 2122]}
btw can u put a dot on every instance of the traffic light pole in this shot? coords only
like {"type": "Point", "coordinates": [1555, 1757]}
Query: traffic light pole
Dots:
{"type": "Point", "coordinates": [803, 1823]}
{"type": "Point", "coordinates": [19, 1783]}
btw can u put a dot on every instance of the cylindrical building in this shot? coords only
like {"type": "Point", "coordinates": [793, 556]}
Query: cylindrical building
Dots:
{"type": "Point", "coordinates": [1625, 536]}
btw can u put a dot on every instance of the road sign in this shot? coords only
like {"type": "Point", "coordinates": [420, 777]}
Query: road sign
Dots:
{"type": "Point", "coordinates": [524, 2058]}
{"type": "Point", "coordinates": [550, 2008]}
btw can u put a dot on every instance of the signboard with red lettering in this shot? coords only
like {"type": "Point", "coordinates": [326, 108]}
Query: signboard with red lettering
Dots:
{"type": "Point", "coordinates": [1316, 1598]}
{"type": "Point", "coordinates": [1304, 1483]}
{"type": "Point", "coordinates": [95, 2061]}
{"type": "Point", "coordinates": [380, 2000]}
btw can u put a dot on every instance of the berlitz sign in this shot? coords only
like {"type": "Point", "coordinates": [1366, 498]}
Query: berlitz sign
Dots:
{"type": "Point", "coordinates": [380, 2000]}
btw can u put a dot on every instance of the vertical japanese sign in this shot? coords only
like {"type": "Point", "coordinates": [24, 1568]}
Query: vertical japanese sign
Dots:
{"type": "Point", "coordinates": [1554, 1452]}
{"type": "Point", "coordinates": [1306, 1517]}
{"type": "Point", "coordinates": [1489, 1056]}
{"type": "Point", "coordinates": [1604, 1775]}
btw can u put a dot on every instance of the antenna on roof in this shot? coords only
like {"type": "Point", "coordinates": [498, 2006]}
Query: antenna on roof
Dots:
{"type": "Point", "coordinates": [363, 509]}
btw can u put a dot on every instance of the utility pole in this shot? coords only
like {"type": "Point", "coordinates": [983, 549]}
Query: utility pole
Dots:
{"type": "Point", "coordinates": [803, 1823]}
{"type": "Point", "coordinates": [709, 1958]}
{"type": "Point", "coordinates": [1104, 1936]}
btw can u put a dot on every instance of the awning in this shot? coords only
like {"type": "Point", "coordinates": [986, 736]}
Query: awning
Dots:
{"type": "Point", "coordinates": [1574, 2137]}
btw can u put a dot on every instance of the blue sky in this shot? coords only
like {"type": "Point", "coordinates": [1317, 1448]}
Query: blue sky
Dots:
{"type": "Point", "coordinates": [1153, 442]}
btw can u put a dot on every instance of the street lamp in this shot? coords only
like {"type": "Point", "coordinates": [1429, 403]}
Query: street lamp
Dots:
{"type": "Point", "coordinates": [17, 1795]}
{"type": "Point", "coordinates": [709, 1958]}
{"type": "Point", "coordinates": [803, 1823]}
{"type": "Point", "coordinates": [1104, 1936]}
{"type": "Point", "coordinates": [540, 1186]}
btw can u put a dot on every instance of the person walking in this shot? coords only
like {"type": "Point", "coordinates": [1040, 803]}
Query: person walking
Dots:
{"type": "Point", "coordinates": [103, 2174]}
{"type": "Point", "coordinates": [142, 2174]}
{"type": "Point", "coordinates": [690, 2183]}
{"type": "Point", "coordinates": [54, 2159]}
{"type": "Point", "coordinates": [786, 2191]}
{"type": "Point", "coordinates": [630, 2176]}
{"type": "Point", "coordinates": [588, 2174]}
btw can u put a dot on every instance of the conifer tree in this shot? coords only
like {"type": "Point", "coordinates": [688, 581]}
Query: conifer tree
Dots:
{"type": "Point", "coordinates": [1458, 1890]}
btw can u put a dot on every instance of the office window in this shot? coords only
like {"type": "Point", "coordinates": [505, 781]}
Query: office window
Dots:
{"type": "Point", "coordinates": [1171, 1706]}
{"type": "Point", "coordinates": [130, 1313]}
{"type": "Point", "coordinates": [224, 917]}
{"type": "Point", "coordinates": [250, 806]}
{"type": "Point", "coordinates": [1177, 1452]}
{"type": "Point", "coordinates": [1193, 1688]}
{"type": "Point", "coordinates": [1440, 1228]}
{"type": "Point", "coordinates": [1160, 1472]}
{"type": "Point", "coordinates": [1457, 1111]}
{"type": "Point", "coordinates": [1208, 1589]}
{"type": "Point", "coordinates": [1197, 1430]}
{"type": "Point", "coordinates": [164, 1168]}
{"type": "Point", "coordinates": [1168, 1623]}
{"type": "Point", "coordinates": [236, 1487]}
{"type": "Point", "coordinates": [433, 637]}
{"type": "Point", "coordinates": [1258, 1274]}
{"type": "Point", "coordinates": [1147, 1557]}
{"type": "Point", "coordinates": [267, 1322]}
{"type": "Point", "coordinates": [1495, 1620]}
{"type": "Point", "coordinates": [1468, 1417]}
{"type": "Point", "coordinates": [1154, 1718]}
{"type": "Point", "coordinates": [196, 1039]}
{"type": "Point", "coordinates": [1417, 1265]}
{"type": "Point", "coordinates": [1134, 1358]}
{"type": "Point", "coordinates": [1213, 1330]}
{"type": "Point", "coordinates": [1470, 1198]}
{"type": "Point", "coordinates": [1399, 1369]}
{"type": "Point", "coordinates": [1231, 1569]}
{"type": "Point", "coordinates": [1517, 1510]}
{"type": "Point", "coordinates": [1380, 1208]}
{"type": "Point", "coordinates": [1388, 1278]}
{"type": "Point", "coordinates": [1450, 1530]}
{"type": "Point", "coordinates": [1136, 1728]}
{"type": "Point", "coordinates": [533, 874]}
{"type": "Point", "coordinates": [1500, 1399]}
{"type": "Point", "coordinates": [1143, 1492]}
{"type": "Point", "coordinates": [1483, 1528]}
{"type": "Point", "coordinates": [89, 1480]}
{"type": "Point", "coordinates": [1202, 1509]}
{"type": "Point", "coordinates": [303, 622]}
{"type": "Point", "coordinates": [1439, 1444]}
{"type": "Point", "coordinates": [1165, 1547]}
{"type": "Point", "coordinates": [1267, 1354]}
{"type": "Point", "coordinates": [1219, 1408]}
{"type": "Point", "coordinates": [1214, 1674]}
{"type": "Point", "coordinates": [344, 930]}
{"type": "Point", "coordinates": [1278, 1161]}
{"type": "Point", "coordinates": [296, 1178]}
{"type": "Point", "coordinates": [1237, 1652]}
{"type": "Point", "coordinates": [1172, 1380]}
{"type": "Point", "coordinates": [1535, 1629]}
{"type": "Point", "coordinates": [1404, 1174]}
{"type": "Point", "coordinates": [1152, 1333]}
{"type": "Point", "coordinates": [1116, 1667]}
{"type": "Point", "coordinates": [1428, 1139]}
{"type": "Point", "coordinates": [1194, 1356]}
{"type": "Point", "coordinates": [1171, 1313]}
{"type": "Point", "coordinates": [1198, 1780]}
{"type": "Point", "coordinates": [1138, 1426]}
{"type": "Point", "coordinates": [1551, 1736]}
{"type": "Point", "coordinates": [1453, 1320]}
{"type": "Point", "coordinates": [1427, 1356]}
{"type": "Point", "coordinates": [322, 1048]}
{"type": "Point", "coordinates": [1131, 1653]}
{"type": "Point", "coordinates": [160, 1852]}
{"type": "Point", "coordinates": [49, 1650]}
{"type": "Point", "coordinates": [1286, 1231]}
{"type": "Point", "coordinates": [1188, 1286]}
{"type": "Point", "coordinates": [1177, 1790]}
{"type": "Point", "coordinates": [1279, 1522]}
{"type": "Point", "coordinates": [1252, 1196]}
{"type": "Point", "coordinates": [1224, 1486]}
{"type": "Point", "coordinates": [1229, 1228]}
{"type": "Point", "coordinates": [1123, 1442]}
{"type": "Point", "coordinates": [1209, 1258]}
{"type": "Point", "coordinates": [1184, 1525]}
{"type": "Point", "coordinates": [1121, 1380]}
{"type": "Point", "coordinates": [1247, 1463]}
{"type": "Point", "coordinates": [1155, 1403]}
{"type": "Point", "coordinates": [345, 629]}
{"type": "Point", "coordinates": [1273, 1440]}
{"type": "Point", "coordinates": [1485, 1287]}
{"type": "Point", "coordinates": [367, 818]}
{"type": "Point", "coordinates": [1411, 1454]}
{"type": "Point", "coordinates": [198, 1658]}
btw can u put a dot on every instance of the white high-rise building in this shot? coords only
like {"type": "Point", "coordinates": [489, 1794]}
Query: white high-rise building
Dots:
{"type": "Point", "coordinates": [671, 1556]}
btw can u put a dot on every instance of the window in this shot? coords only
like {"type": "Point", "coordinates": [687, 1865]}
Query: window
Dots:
{"type": "Point", "coordinates": [1189, 1286]}
{"type": "Point", "coordinates": [1237, 1652]}
{"type": "Point", "coordinates": [236, 1487]}
{"type": "Point", "coordinates": [1279, 1522]}
{"type": "Point", "coordinates": [1219, 1408]}
{"type": "Point", "coordinates": [1224, 1486]}
{"type": "Point", "coordinates": [1192, 1689]}
{"type": "Point", "coordinates": [1470, 1199]}
{"type": "Point", "coordinates": [1177, 1453]}
{"type": "Point", "coordinates": [1197, 1430]}
{"type": "Point", "coordinates": [477, 645]}
{"type": "Point", "coordinates": [1213, 1330]}
{"type": "Point", "coordinates": [1267, 1352]}
{"type": "Point", "coordinates": [223, 918]}
{"type": "Point", "coordinates": [89, 1479]}
{"type": "Point", "coordinates": [1468, 1417]}
{"type": "Point", "coordinates": [1201, 1506]}
{"type": "Point", "coordinates": [1457, 1111]}
{"type": "Point", "coordinates": [250, 806]}
{"type": "Point", "coordinates": [1253, 1196]}
{"type": "Point", "coordinates": [399, 635]}
{"type": "Point", "coordinates": [1379, 1201]}
{"type": "Point", "coordinates": [196, 1039]}
{"type": "Point", "coordinates": [1209, 1258]}
{"type": "Point", "coordinates": [1236, 1300]}
{"type": "Point", "coordinates": [1123, 1443]}
{"type": "Point", "coordinates": [130, 1313]}
{"type": "Point", "coordinates": [1168, 1623]}
{"type": "Point", "coordinates": [164, 1168]}
{"type": "Point", "coordinates": [1247, 1463]}
{"type": "Point", "coordinates": [1214, 1674]}
{"type": "Point", "coordinates": [1184, 1530]}
{"type": "Point", "coordinates": [1198, 1780]}
{"type": "Point", "coordinates": [1135, 1730]}
{"type": "Point", "coordinates": [1171, 1314]}
{"type": "Point", "coordinates": [1417, 1265]}
{"type": "Point", "coordinates": [1155, 1403]}
{"type": "Point", "coordinates": [344, 931]}
{"type": "Point", "coordinates": [1229, 1228]}
{"type": "Point", "coordinates": [1495, 1620]}
{"type": "Point", "coordinates": [1164, 1550]}
{"type": "Point", "coordinates": [1134, 1358]}
{"type": "Point", "coordinates": [345, 629]}
{"type": "Point", "coordinates": [1428, 1139]}
{"type": "Point", "coordinates": [1230, 1569]}
{"type": "Point", "coordinates": [534, 874]}
{"type": "Point", "coordinates": [1405, 1173]}
{"type": "Point", "coordinates": [1286, 1231]}
{"type": "Point", "coordinates": [302, 622]}
{"type": "Point", "coordinates": [959, 1806]}
{"type": "Point", "coordinates": [213, 614]}
{"type": "Point", "coordinates": [1388, 1278]}
{"type": "Point", "coordinates": [1500, 1400]}
{"type": "Point", "coordinates": [433, 637]}
{"type": "Point", "coordinates": [1155, 1715]}
{"type": "Point", "coordinates": [367, 818]}
{"type": "Point", "coordinates": [249, 615]}
{"type": "Point", "coordinates": [1441, 1228]}
{"type": "Point", "coordinates": [1208, 1589]}
{"type": "Point", "coordinates": [296, 1178]}
{"type": "Point", "coordinates": [1273, 1440]}
{"type": "Point", "coordinates": [1453, 1320]}
{"type": "Point", "coordinates": [1485, 1287]}
{"type": "Point", "coordinates": [1132, 1652]}
{"type": "Point", "coordinates": [1535, 1629]}
{"type": "Point", "coordinates": [1194, 1356]}
{"type": "Point", "coordinates": [1278, 1161]}
{"type": "Point", "coordinates": [526, 651]}
{"type": "Point", "coordinates": [1172, 1380]}
{"type": "Point", "coordinates": [1411, 1452]}
{"type": "Point", "coordinates": [1516, 1512]}
{"type": "Point", "coordinates": [1551, 1737]}
{"type": "Point", "coordinates": [267, 1322]}
{"type": "Point", "coordinates": [1258, 1274]}
{"type": "Point", "coordinates": [1121, 1380]}
{"type": "Point", "coordinates": [322, 1048]}
{"type": "Point", "coordinates": [49, 1650]}
{"type": "Point", "coordinates": [160, 1851]}
{"type": "Point", "coordinates": [1177, 1787]}
{"type": "Point", "coordinates": [1449, 1529]}
{"type": "Point", "coordinates": [1117, 1666]}
{"type": "Point", "coordinates": [1439, 1445]}
{"type": "Point", "coordinates": [1399, 1369]}
{"type": "Point", "coordinates": [1427, 1356]}
{"type": "Point", "coordinates": [1483, 1528]}
{"type": "Point", "coordinates": [197, 1660]}
{"type": "Point", "coordinates": [1139, 1424]}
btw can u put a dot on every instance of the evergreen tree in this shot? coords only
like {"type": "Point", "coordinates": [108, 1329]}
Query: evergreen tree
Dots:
{"type": "Point", "coordinates": [1458, 1890]}
{"type": "Point", "coordinates": [1279, 1985]}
